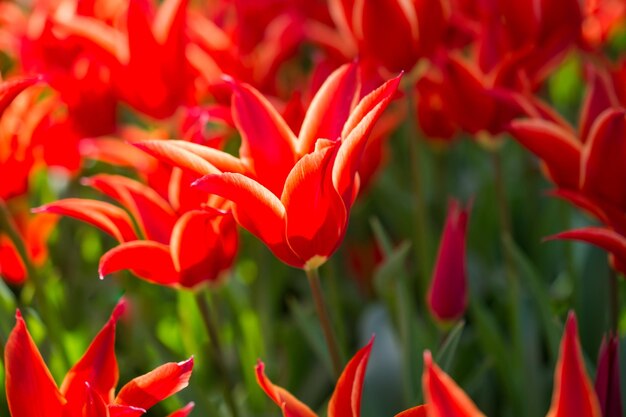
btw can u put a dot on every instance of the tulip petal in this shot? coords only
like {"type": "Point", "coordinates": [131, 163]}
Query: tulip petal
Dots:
{"type": "Point", "coordinates": [315, 214]}
{"type": "Point", "coordinates": [183, 412]}
{"type": "Point", "coordinates": [267, 143]}
{"type": "Point", "coordinates": [255, 208]}
{"type": "Point", "coordinates": [599, 97]}
{"type": "Point", "coordinates": [607, 383]}
{"type": "Point", "coordinates": [346, 399]}
{"type": "Point", "coordinates": [419, 411]}
{"type": "Point", "coordinates": [97, 367]}
{"type": "Point", "coordinates": [291, 406]}
{"type": "Point", "coordinates": [164, 381]}
{"type": "Point", "coordinates": [31, 390]}
{"type": "Point", "coordinates": [125, 411]}
{"type": "Point", "coordinates": [355, 134]}
{"type": "Point", "coordinates": [107, 217]}
{"type": "Point", "coordinates": [330, 108]}
{"type": "Point", "coordinates": [443, 396]}
{"type": "Point", "coordinates": [193, 157]}
{"type": "Point", "coordinates": [573, 392]}
{"type": "Point", "coordinates": [146, 259]}
{"type": "Point", "coordinates": [10, 89]}
{"type": "Point", "coordinates": [155, 216]}
{"type": "Point", "coordinates": [94, 405]}
{"type": "Point", "coordinates": [554, 145]}
{"type": "Point", "coordinates": [604, 174]}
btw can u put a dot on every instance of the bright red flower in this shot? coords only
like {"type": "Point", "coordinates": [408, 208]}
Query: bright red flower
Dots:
{"type": "Point", "coordinates": [573, 392]}
{"type": "Point", "coordinates": [179, 242]}
{"type": "Point", "coordinates": [607, 382]}
{"type": "Point", "coordinates": [447, 296]}
{"type": "Point", "coordinates": [89, 387]}
{"type": "Point", "coordinates": [292, 192]}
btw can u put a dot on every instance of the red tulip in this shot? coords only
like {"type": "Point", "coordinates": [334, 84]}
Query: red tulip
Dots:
{"type": "Point", "coordinates": [292, 192]}
{"type": "Point", "coordinates": [447, 297]}
{"type": "Point", "coordinates": [89, 386]}
{"type": "Point", "coordinates": [607, 383]}
{"type": "Point", "coordinates": [184, 249]}
{"type": "Point", "coordinates": [573, 392]}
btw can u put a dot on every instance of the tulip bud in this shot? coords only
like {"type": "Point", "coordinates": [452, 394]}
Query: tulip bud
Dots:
{"type": "Point", "coordinates": [607, 378]}
{"type": "Point", "coordinates": [447, 296]}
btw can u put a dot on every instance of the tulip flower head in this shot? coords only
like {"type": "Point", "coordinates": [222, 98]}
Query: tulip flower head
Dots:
{"type": "Point", "coordinates": [89, 387]}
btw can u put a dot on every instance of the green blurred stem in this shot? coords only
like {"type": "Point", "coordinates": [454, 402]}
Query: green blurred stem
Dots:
{"type": "Point", "coordinates": [614, 300]}
{"type": "Point", "coordinates": [54, 332]}
{"type": "Point", "coordinates": [217, 353]}
{"type": "Point", "coordinates": [322, 314]}
{"type": "Point", "coordinates": [422, 234]}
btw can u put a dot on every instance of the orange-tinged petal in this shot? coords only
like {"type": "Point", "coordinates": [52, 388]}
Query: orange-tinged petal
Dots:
{"type": "Point", "coordinates": [107, 217]}
{"type": "Point", "coordinates": [97, 367]}
{"type": "Point", "coordinates": [31, 390]}
{"type": "Point", "coordinates": [10, 89]}
{"type": "Point", "coordinates": [147, 390]}
{"type": "Point", "coordinates": [419, 411]}
{"type": "Point", "coordinates": [573, 391]}
{"type": "Point", "coordinates": [291, 406]}
{"type": "Point", "coordinates": [355, 135]}
{"type": "Point", "coordinates": [346, 399]}
{"type": "Point", "coordinates": [183, 412]}
{"type": "Point", "coordinates": [155, 216]}
{"type": "Point", "coordinates": [146, 259]}
{"type": "Point", "coordinates": [444, 397]}
{"type": "Point", "coordinates": [330, 108]}
{"type": "Point", "coordinates": [603, 171]}
{"type": "Point", "coordinates": [315, 213]}
{"type": "Point", "coordinates": [256, 209]}
{"type": "Point", "coordinates": [267, 143]}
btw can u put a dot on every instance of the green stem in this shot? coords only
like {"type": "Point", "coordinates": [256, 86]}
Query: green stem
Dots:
{"type": "Point", "coordinates": [422, 234]}
{"type": "Point", "coordinates": [10, 228]}
{"type": "Point", "coordinates": [613, 300]}
{"type": "Point", "coordinates": [217, 353]}
{"type": "Point", "coordinates": [322, 314]}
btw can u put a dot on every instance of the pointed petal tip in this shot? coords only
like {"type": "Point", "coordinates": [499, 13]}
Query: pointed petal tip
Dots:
{"type": "Point", "coordinates": [119, 309]}
{"type": "Point", "coordinates": [186, 365]}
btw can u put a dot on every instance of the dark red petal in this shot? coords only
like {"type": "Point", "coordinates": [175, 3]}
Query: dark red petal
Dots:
{"type": "Point", "coordinates": [290, 405]}
{"type": "Point", "coordinates": [267, 143]}
{"type": "Point", "coordinates": [146, 259]}
{"type": "Point", "coordinates": [183, 412]}
{"type": "Point", "coordinates": [91, 404]}
{"type": "Point", "coordinates": [315, 213]}
{"type": "Point", "coordinates": [31, 390]}
{"type": "Point", "coordinates": [346, 399]}
{"type": "Point", "coordinates": [256, 209]}
{"type": "Point", "coordinates": [97, 367]}
{"type": "Point", "coordinates": [607, 383]}
{"type": "Point", "coordinates": [573, 393]}
{"type": "Point", "coordinates": [107, 217]}
{"type": "Point", "coordinates": [164, 381]}
{"type": "Point", "coordinates": [444, 397]}
{"type": "Point", "coordinates": [155, 216]}
{"type": "Point", "coordinates": [330, 108]}
{"type": "Point", "coordinates": [603, 169]}
{"type": "Point", "coordinates": [355, 134]}
{"type": "Point", "coordinates": [600, 96]}
{"type": "Point", "coordinates": [555, 146]}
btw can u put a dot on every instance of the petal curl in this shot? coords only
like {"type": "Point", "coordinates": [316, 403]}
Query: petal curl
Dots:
{"type": "Point", "coordinates": [147, 259]}
{"type": "Point", "coordinates": [290, 405]}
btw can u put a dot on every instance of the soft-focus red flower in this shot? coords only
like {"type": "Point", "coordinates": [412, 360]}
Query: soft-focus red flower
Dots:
{"type": "Point", "coordinates": [394, 33]}
{"type": "Point", "coordinates": [447, 296]}
{"type": "Point", "coordinates": [88, 389]}
{"type": "Point", "coordinates": [607, 382]}
{"type": "Point", "coordinates": [573, 393]}
{"type": "Point", "coordinates": [292, 192]}
{"type": "Point", "coordinates": [179, 242]}
{"type": "Point", "coordinates": [601, 19]}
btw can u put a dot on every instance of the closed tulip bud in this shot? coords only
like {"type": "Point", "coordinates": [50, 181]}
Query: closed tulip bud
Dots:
{"type": "Point", "coordinates": [607, 378]}
{"type": "Point", "coordinates": [447, 296]}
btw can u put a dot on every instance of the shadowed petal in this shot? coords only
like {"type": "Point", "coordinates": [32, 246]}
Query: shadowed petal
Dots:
{"type": "Point", "coordinates": [599, 97]}
{"type": "Point", "coordinates": [10, 89]}
{"type": "Point", "coordinates": [97, 368]}
{"type": "Point", "coordinates": [147, 390]}
{"type": "Point", "coordinates": [330, 108]}
{"type": "Point", "coordinates": [573, 392]}
{"type": "Point", "coordinates": [107, 217]}
{"type": "Point", "coordinates": [30, 389]}
{"type": "Point", "coordinates": [94, 405]}
{"type": "Point", "coordinates": [125, 411]}
{"type": "Point", "coordinates": [291, 406]}
{"type": "Point", "coordinates": [554, 145]}
{"type": "Point", "coordinates": [346, 399]}
{"type": "Point", "coordinates": [267, 143]}
{"type": "Point", "coordinates": [315, 214]}
{"type": "Point", "coordinates": [607, 383]}
{"type": "Point", "coordinates": [146, 259]}
{"type": "Point", "coordinates": [443, 396]}
{"type": "Point", "coordinates": [255, 208]}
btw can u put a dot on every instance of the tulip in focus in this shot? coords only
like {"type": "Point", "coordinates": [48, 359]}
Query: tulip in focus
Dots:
{"type": "Point", "coordinates": [89, 387]}
{"type": "Point", "coordinates": [447, 297]}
